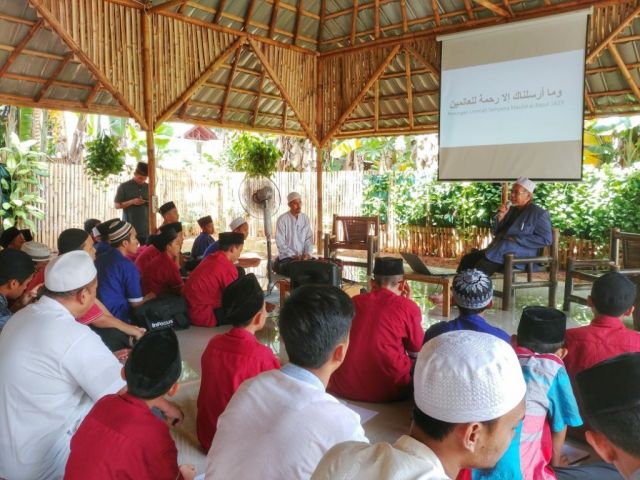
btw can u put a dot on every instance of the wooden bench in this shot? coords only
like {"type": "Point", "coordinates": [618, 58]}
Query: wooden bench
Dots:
{"type": "Point", "coordinates": [624, 257]}
{"type": "Point", "coordinates": [354, 233]}
{"type": "Point", "coordinates": [512, 276]}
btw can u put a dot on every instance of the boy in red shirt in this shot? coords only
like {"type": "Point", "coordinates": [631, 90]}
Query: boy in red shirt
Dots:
{"type": "Point", "coordinates": [121, 437]}
{"type": "Point", "coordinates": [162, 274]}
{"type": "Point", "coordinates": [234, 357]}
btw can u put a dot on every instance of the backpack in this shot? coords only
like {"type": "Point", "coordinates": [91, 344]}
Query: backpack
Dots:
{"type": "Point", "coordinates": [165, 311]}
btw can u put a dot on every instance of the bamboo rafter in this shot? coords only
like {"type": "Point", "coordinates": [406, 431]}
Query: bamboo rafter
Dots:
{"type": "Point", "coordinates": [53, 77]}
{"type": "Point", "coordinates": [23, 43]}
{"type": "Point", "coordinates": [354, 23]}
{"type": "Point", "coordinates": [625, 72]}
{"type": "Point", "coordinates": [596, 50]}
{"type": "Point", "coordinates": [227, 90]}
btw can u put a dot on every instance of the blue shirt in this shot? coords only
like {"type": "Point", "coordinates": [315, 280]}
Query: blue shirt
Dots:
{"type": "Point", "coordinates": [118, 283]}
{"type": "Point", "coordinates": [200, 244]}
{"type": "Point", "coordinates": [473, 322]}
{"type": "Point", "coordinates": [101, 247]}
{"type": "Point", "coordinates": [213, 248]}
{"type": "Point", "coordinates": [5, 313]}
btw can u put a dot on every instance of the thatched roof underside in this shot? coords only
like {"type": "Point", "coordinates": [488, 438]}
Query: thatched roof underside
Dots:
{"type": "Point", "coordinates": [315, 68]}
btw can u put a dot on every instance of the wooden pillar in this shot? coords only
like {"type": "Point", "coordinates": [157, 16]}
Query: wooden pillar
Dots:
{"type": "Point", "coordinates": [505, 192]}
{"type": "Point", "coordinates": [319, 195]}
{"type": "Point", "coordinates": [148, 114]}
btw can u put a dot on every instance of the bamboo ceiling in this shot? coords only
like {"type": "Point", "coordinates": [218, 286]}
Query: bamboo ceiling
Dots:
{"type": "Point", "coordinates": [314, 68]}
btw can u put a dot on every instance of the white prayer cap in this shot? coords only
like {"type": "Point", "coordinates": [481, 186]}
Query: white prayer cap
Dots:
{"type": "Point", "coordinates": [38, 252]}
{"type": "Point", "coordinates": [527, 184]}
{"type": "Point", "coordinates": [236, 222]}
{"type": "Point", "coordinates": [69, 271]}
{"type": "Point", "coordinates": [293, 196]}
{"type": "Point", "coordinates": [466, 376]}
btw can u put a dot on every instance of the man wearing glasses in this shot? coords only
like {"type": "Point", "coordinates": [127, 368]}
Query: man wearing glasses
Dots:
{"type": "Point", "coordinates": [521, 228]}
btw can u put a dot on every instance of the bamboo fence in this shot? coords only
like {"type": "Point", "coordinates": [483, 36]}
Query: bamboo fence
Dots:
{"type": "Point", "coordinates": [71, 198]}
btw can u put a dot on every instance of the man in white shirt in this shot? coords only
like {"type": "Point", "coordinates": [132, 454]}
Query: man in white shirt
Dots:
{"type": "Point", "coordinates": [294, 237]}
{"type": "Point", "coordinates": [469, 398]}
{"type": "Point", "coordinates": [280, 423]}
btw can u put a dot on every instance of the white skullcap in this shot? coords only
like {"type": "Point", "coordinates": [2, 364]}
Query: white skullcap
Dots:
{"type": "Point", "coordinates": [236, 222]}
{"type": "Point", "coordinates": [38, 252]}
{"type": "Point", "coordinates": [293, 196]}
{"type": "Point", "coordinates": [466, 376]}
{"type": "Point", "coordinates": [527, 184]}
{"type": "Point", "coordinates": [95, 232]}
{"type": "Point", "coordinates": [69, 271]}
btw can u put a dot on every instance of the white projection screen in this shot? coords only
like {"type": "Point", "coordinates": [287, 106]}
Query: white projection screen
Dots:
{"type": "Point", "coordinates": [511, 100]}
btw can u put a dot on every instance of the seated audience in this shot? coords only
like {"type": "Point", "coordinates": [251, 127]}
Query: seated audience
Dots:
{"type": "Point", "coordinates": [119, 286]}
{"type": "Point", "coordinates": [121, 437]}
{"type": "Point", "coordinates": [152, 249]}
{"type": "Point", "coordinates": [13, 237]}
{"type": "Point", "coordinates": [114, 332]}
{"type": "Point", "coordinates": [469, 398]}
{"type": "Point", "coordinates": [294, 236]}
{"type": "Point", "coordinates": [52, 369]}
{"type": "Point", "coordinates": [610, 397]}
{"type": "Point", "coordinates": [102, 239]}
{"type": "Point", "coordinates": [169, 213]}
{"type": "Point", "coordinates": [40, 255]}
{"type": "Point", "coordinates": [237, 225]}
{"type": "Point", "coordinates": [16, 270]}
{"type": "Point", "coordinates": [612, 296]}
{"type": "Point", "coordinates": [521, 229]}
{"type": "Point", "coordinates": [90, 226]}
{"type": "Point", "coordinates": [162, 274]}
{"type": "Point", "coordinates": [473, 294]}
{"type": "Point", "coordinates": [203, 289]}
{"type": "Point", "coordinates": [234, 357]}
{"type": "Point", "coordinates": [386, 336]}
{"type": "Point", "coordinates": [204, 239]}
{"type": "Point", "coordinates": [284, 417]}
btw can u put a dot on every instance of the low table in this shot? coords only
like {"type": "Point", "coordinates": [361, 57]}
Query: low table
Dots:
{"type": "Point", "coordinates": [444, 280]}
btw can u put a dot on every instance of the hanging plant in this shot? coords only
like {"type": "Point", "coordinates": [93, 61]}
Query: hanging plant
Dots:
{"type": "Point", "coordinates": [104, 158]}
{"type": "Point", "coordinates": [253, 155]}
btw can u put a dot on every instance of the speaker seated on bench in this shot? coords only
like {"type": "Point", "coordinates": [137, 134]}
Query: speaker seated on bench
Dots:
{"type": "Point", "coordinates": [306, 272]}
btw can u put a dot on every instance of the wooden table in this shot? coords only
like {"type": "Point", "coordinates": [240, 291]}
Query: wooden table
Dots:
{"type": "Point", "coordinates": [444, 280]}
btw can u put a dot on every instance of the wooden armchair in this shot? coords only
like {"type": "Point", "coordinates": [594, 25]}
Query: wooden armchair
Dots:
{"type": "Point", "coordinates": [512, 276]}
{"type": "Point", "coordinates": [354, 233]}
{"type": "Point", "coordinates": [624, 257]}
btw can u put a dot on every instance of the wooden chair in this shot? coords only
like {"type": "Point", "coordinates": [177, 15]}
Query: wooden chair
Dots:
{"type": "Point", "coordinates": [512, 276]}
{"type": "Point", "coordinates": [624, 257]}
{"type": "Point", "coordinates": [354, 233]}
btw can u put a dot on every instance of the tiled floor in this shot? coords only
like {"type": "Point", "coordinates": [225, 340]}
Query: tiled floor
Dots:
{"type": "Point", "coordinates": [392, 419]}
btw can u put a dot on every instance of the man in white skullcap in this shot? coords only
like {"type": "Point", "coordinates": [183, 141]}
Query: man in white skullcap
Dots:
{"type": "Point", "coordinates": [294, 237]}
{"type": "Point", "coordinates": [237, 225]}
{"type": "Point", "coordinates": [521, 229]}
{"type": "Point", "coordinates": [469, 398]}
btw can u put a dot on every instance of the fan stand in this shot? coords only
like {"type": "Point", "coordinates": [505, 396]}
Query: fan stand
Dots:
{"type": "Point", "coordinates": [266, 215]}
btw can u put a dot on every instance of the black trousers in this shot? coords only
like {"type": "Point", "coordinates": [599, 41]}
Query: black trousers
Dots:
{"type": "Point", "coordinates": [478, 260]}
{"type": "Point", "coordinates": [281, 266]}
{"type": "Point", "coordinates": [113, 338]}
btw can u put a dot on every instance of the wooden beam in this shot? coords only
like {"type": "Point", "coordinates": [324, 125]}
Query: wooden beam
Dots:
{"type": "Point", "coordinates": [403, 11]}
{"type": "Point", "coordinates": [418, 56]}
{"type": "Point", "coordinates": [409, 86]}
{"type": "Point", "coordinates": [66, 105]}
{"type": "Point", "coordinates": [296, 27]}
{"type": "Point", "coordinates": [92, 94]}
{"type": "Point", "coordinates": [323, 9]}
{"type": "Point", "coordinates": [216, 18]}
{"type": "Point", "coordinates": [493, 7]}
{"type": "Point", "coordinates": [611, 93]}
{"type": "Point", "coordinates": [369, 132]}
{"type": "Point", "coordinates": [43, 81]}
{"type": "Point", "coordinates": [284, 116]}
{"type": "Point", "coordinates": [376, 105]}
{"type": "Point", "coordinates": [248, 14]}
{"type": "Point", "coordinates": [319, 198]}
{"type": "Point", "coordinates": [84, 58]}
{"type": "Point", "coordinates": [614, 33]}
{"type": "Point", "coordinates": [239, 126]}
{"type": "Point", "coordinates": [147, 95]}
{"type": "Point", "coordinates": [360, 96]}
{"type": "Point", "coordinates": [151, 163]}
{"type": "Point", "coordinates": [167, 5]}
{"type": "Point", "coordinates": [193, 88]}
{"type": "Point", "coordinates": [593, 71]}
{"type": "Point", "coordinates": [276, 80]}
{"type": "Point", "coordinates": [624, 70]}
{"type": "Point", "coordinates": [272, 25]}
{"type": "Point", "coordinates": [391, 116]}
{"type": "Point", "coordinates": [274, 17]}
{"type": "Point", "coordinates": [223, 86]}
{"type": "Point", "coordinates": [18, 20]}
{"type": "Point", "coordinates": [23, 43]}
{"type": "Point", "coordinates": [376, 19]}
{"type": "Point", "coordinates": [589, 102]}
{"type": "Point", "coordinates": [354, 23]}
{"type": "Point", "coordinates": [507, 5]}
{"type": "Point", "coordinates": [256, 109]}
{"type": "Point", "coordinates": [436, 12]}
{"type": "Point", "coordinates": [53, 77]}
{"type": "Point", "coordinates": [469, 9]}
{"type": "Point", "coordinates": [227, 90]}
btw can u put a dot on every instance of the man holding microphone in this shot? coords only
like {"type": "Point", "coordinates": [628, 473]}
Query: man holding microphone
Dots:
{"type": "Point", "coordinates": [521, 228]}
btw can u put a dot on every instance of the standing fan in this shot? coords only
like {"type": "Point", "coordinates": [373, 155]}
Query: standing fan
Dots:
{"type": "Point", "coordinates": [260, 198]}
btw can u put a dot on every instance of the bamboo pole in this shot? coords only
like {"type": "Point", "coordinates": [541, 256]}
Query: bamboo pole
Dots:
{"type": "Point", "coordinates": [493, 7]}
{"type": "Point", "coordinates": [614, 33]}
{"type": "Point", "coordinates": [409, 85]}
{"type": "Point", "coordinates": [625, 72]}
{"type": "Point", "coordinates": [53, 77]}
{"type": "Point", "coordinates": [23, 43]}
{"type": "Point", "coordinates": [148, 93]}
{"type": "Point", "coordinates": [319, 198]}
{"type": "Point", "coordinates": [354, 21]}
{"type": "Point", "coordinates": [433, 70]}
{"type": "Point", "coordinates": [436, 12]}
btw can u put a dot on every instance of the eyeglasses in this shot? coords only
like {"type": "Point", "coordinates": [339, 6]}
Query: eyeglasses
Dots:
{"type": "Point", "coordinates": [518, 192]}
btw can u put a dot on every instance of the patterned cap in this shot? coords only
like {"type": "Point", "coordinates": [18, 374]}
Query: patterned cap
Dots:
{"type": "Point", "coordinates": [118, 231]}
{"type": "Point", "coordinates": [39, 252]}
{"type": "Point", "coordinates": [472, 289]}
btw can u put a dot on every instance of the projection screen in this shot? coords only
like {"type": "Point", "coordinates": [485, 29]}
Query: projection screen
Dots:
{"type": "Point", "coordinates": [511, 100]}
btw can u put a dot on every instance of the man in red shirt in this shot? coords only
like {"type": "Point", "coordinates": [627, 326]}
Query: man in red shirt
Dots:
{"type": "Point", "coordinates": [234, 357]}
{"type": "Point", "coordinates": [121, 437]}
{"type": "Point", "coordinates": [203, 289]}
{"type": "Point", "coordinates": [162, 274]}
{"type": "Point", "coordinates": [612, 296]}
{"type": "Point", "coordinates": [386, 335]}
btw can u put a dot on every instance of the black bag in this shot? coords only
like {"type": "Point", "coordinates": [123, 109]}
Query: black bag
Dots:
{"type": "Point", "coordinates": [165, 311]}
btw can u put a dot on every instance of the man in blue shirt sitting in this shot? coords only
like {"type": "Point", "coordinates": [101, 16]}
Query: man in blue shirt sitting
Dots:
{"type": "Point", "coordinates": [473, 294]}
{"type": "Point", "coordinates": [203, 240]}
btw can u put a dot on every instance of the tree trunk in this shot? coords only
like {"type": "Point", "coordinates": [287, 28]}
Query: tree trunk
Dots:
{"type": "Point", "coordinates": [77, 142]}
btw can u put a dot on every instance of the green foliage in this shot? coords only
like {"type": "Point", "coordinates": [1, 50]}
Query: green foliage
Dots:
{"type": "Point", "coordinates": [252, 155]}
{"type": "Point", "coordinates": [104, 158]}
{"type": "Point", "coordinates": [138, 140]}
{"type": "Point", "coordinates": [20, 172]}
{"type": "Point", "coordinates": [606, 197]}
